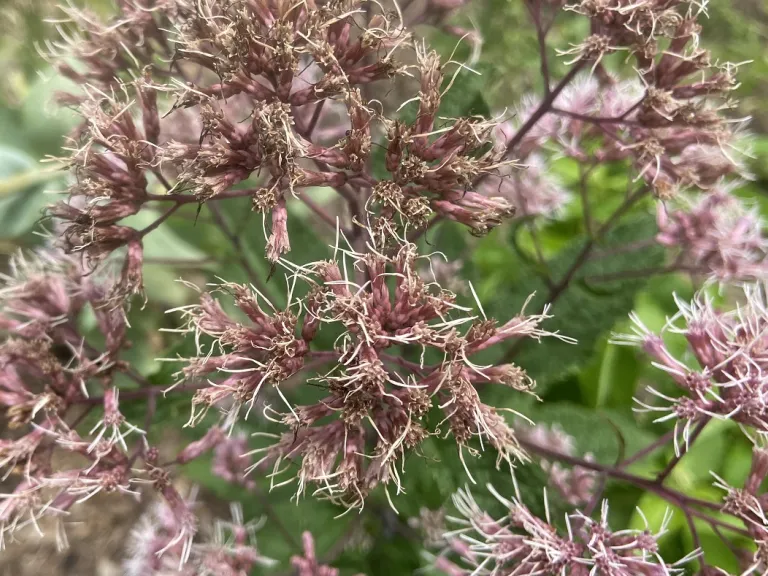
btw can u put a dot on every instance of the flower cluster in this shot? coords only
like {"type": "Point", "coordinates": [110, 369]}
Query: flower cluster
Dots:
{"type": "Point", "coordinates": [53, 373]}
{"type": "Point", "coordinates": [726, 377]}
{"type": "Point", "coordinates": [674, 133]}
{"type": "Point", "coordinates": [522, 544]}
{"type": "Point", "coordinates": [231, 549]}
{"type": "Point", "coordinates": [668, 123]}
{"type": "Point", "coordinates": [596, 123]}
{"type": "Point", "coordinates": [748, 505]}
{"type": "Point", "coordinates": [47, 370]}
{"type": "Point", "coordinates": [576, 485]}
{"type": "Point", "coordinates": [308, 564]}
{"type": "Point", "coordinates": [717, 235]}
{"type": "Point", "coordinates": [182, 103]}
{"type": "Point", "coordinates": [377, 403]}
{"type": "Point", "coordinates": [256, 79]}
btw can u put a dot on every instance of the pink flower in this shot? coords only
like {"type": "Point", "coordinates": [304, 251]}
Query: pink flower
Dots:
{"type": "Point", "coordinates": [230, 461]}
{"type": "Point", "coordinates": [522, 544]}
{"type": "Point", "coordinates": [373, 413]}
{"type": "Point", "coordinates": [230, 551]}
{"type": "Point", "coordinates": [532, 189]}
{"type": "Point", "coordinates": [575, 485]}
{"type": "Point", "coordinates": [308, 564]}
{"type": "Point", "coordinates": [716, 234]}
{"type": "Point", "coordinates": [729, 381]}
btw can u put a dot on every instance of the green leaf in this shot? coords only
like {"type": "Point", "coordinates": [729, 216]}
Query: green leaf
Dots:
{"type": "Point", "coordinates": [14, 162]}
{"type": "Point", "coordinates": [450, 237]}
{"type": "Point", "coordinates": [737, 462]}
{"type": "Point", "coordinates": [584, 311]}
{"type": "Point", "coordinates": [614, 381]}
{"type": "Point", "coordinates": [706, 454]}
{"type": "Point", "coordinates": [466, 95]}
{"type": "Point", "coordinates": [45, 123]}
{"type": "Point", "coordinates": [653, 508]}
{"type": "Point", "coordinates": [161, 286]}
{"type": "Point", "coordinates": [22, 196]}
{"type": "Point", "coordinates": [163, 242]}
{"type": "Point", "coordinates": [716, 552]}
{"type": "Point", "coordinates": [19, 182]}
{"type": "Point", "coordinates": [606, 434]}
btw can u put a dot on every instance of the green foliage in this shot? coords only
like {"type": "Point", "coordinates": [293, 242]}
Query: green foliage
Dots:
{"type": "Point", "coordinates": [608, 435]}
{"type": "Point", "coordinates": [22, 197]}
{"type": "Point", "coordinates": [585, 311]}
{"type": "Point", "coordinates": [506, 278]}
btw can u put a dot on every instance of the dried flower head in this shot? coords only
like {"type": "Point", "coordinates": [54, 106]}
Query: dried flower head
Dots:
{"type": "Point", "coordinates": [375, 410]}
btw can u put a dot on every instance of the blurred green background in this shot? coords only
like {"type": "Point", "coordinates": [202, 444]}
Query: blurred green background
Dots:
{"type": "Point", "coordinates": [587, 388]}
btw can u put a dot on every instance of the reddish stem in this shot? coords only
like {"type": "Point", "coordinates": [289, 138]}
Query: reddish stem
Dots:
{"type": "Point", "coordinates": [615, 472]}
